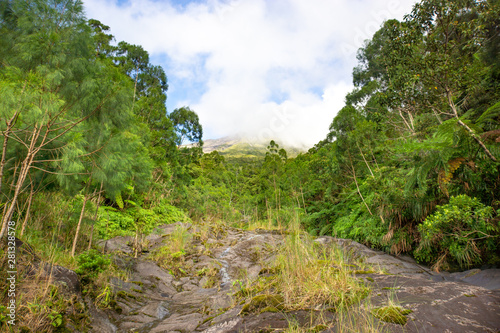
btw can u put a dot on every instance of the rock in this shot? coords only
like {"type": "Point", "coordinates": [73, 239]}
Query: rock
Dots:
{"type": "Point", "coordinates": [100, 321]}
{"type": "Point", "coordinates": [189, 301]}
{"type": "Point", "coordinates": [264, 322]}
{"type": "Point", "coordinates": [159, 302]}
{"type": "Point", "coordinates": [189, 286]}
{"type": "Point", "coordinates": [378, 259]}
{"type": "Point", "coordinates": [439, 306]}
{"type": "Point", "coordinates": [150, 269]}
{"type": "Point", "coordinates": [224, 327]}
{"type": "Point", "coordinates": [119, 285]}
{"type": "Point", "coordinates": [116, 244]}
{"type": "Point", "coordinates": [151, 274]}
{"type": "Point", "coordinates": [57, 275]}
{"type": "Point", "coordinates": [177, 322]}
{"type": "Point", "coordinates": [220, 301]}
{"type": "Point", "coordinates": [244, 259]}
{"type": "Point", "coordinates": [489, 278]}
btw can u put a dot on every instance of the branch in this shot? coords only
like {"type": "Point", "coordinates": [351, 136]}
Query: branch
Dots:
{"type": "Point", "coordinates": [59, 173]}
{"type": "Point", "coordinates": [461, 123]}
{"type": "Point", "coordinates": [75, 123]}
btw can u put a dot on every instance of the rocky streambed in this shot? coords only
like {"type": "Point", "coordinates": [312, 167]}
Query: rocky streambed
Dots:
{"type": "Point", "coordinates": [154, 299]}
{"type": "Point", "coordinates": [200, 288]}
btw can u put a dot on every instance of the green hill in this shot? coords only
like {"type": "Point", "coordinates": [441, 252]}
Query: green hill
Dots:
{"type": "Point", "coordinates": [237, 147]}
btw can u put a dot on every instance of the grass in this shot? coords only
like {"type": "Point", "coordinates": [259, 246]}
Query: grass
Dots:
{"type": "Point", "coordinates": [212, 276]}
{"type": "Point", "coordinates": [40, 305]}
{"type": "Point", "coordinates": [172, 255]}
{"type": "Point", "coordinates": [391, 312]}
{"type": "Point", "coordinates": [254, 224]}
{"type": "Point", "coordinates": [309, 276]}
{"type": "Point", "coordinates": [306, 275]}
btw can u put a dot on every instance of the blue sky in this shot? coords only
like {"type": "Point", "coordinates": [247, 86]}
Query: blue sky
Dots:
{"type": "Point", "coordinates": [266, 69]}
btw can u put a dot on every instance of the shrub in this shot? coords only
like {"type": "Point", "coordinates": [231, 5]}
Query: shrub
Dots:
{"type": "Point", "coordinates": [90, 264]}
{"type": "Point", "coordinates": [462, 230]}
{"type": "Point", "coordinates": [112, 223]}
{"type": "Point", "coordinates": [168, 214]}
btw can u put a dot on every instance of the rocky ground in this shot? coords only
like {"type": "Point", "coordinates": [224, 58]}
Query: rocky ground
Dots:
{"type": "Point", "coordinates": [154, 300]}
{"type": "Point", "coordinates": [197, 293]}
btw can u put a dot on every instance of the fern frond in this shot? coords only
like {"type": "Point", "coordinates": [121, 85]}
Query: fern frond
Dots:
{"type": "Point", "coordinates": [490, 118]}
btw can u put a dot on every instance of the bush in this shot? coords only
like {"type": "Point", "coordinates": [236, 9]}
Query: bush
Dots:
{"type": "Point", "coordinates": [112, 223]}
{"type": "Point", "coordinates": [90, 264]}
{"type": "Point", "coordinates": [169, 214]}
{"type": "Point", "coordinates": [464, 230]}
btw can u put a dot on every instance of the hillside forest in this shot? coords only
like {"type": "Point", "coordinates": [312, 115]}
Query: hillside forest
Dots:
{"type": "Point", "coordinates": [411, 164]}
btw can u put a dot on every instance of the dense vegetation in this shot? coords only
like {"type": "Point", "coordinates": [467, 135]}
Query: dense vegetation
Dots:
{"type": "Point", "coordinates": [411, 163]}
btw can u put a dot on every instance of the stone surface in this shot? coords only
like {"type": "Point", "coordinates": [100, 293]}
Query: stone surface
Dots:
{"type": "Point", "coordinates": [161, 302]}
{"type": "Point", "coordinates": [438, 306]}
{"type": "Point", "coordinates": [57, 275]}
{"type": "Point", "coordinates": [118, 244]}
{"type": "Point", "coordinates": [177, 322]}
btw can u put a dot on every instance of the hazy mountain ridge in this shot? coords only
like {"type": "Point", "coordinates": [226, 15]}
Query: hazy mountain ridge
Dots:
{"type": "Point", "coordinates": [238, 146]}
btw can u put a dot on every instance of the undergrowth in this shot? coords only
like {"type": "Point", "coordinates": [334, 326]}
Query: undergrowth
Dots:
{"type": "Point", "coordinates": [305, 275]}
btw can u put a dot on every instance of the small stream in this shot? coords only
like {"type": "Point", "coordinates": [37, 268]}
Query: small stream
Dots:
{"type": "Point", "coordinates": [224, 274]}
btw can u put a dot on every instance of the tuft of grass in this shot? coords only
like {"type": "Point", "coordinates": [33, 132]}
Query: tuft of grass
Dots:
{"type": "Point", "coordinates": [307, 275]}
{"type": "Point", "coordinates": [172, 255]}
{"type": "Point", "coordinates": [212, 275]}
{"type": "Point", "coordinates": [358, 319]}
{"type": "Point", "coordinates": [260, 224]}
{"type": "Point", "coordinates": [392, 314]}
{"type": "Point", "coordinates": [263, 303]}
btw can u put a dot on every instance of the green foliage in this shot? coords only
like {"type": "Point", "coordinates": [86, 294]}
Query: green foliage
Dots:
{"type": "Point", "coordinates": [168, 214]}
{"type": "Point", "coordinates": [131, 218]}
{"type": "Point", "coordinates": [56, 319]}
{"type": "Point", "coordinates": [463, 231]}
{"type": "Point", "coordinates": [187, 125]}
{"type": "Point", "coordinates": [172, 255]}
{"type": "Point", "coordinates": [112, 223]}
{"type": "Point", "coordinates": [392, 314]}
{"type": "Point", "coordinates": [90, 264]}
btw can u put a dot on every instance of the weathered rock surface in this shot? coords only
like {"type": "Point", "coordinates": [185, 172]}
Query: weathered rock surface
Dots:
{"type": "Point", "coordinates": [33, 266]}
{"type": "Point", "coordinates": [117, 244]}
{"type": "Point", "coordinates": [154, 300]}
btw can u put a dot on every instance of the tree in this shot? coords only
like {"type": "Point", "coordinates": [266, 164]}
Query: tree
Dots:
{"type": "Point", "coordinates": [48, 41]}
{"type": "Point", "coordinates": [187, 125]}
{"type": "Point", "coordinates": [69, 112]}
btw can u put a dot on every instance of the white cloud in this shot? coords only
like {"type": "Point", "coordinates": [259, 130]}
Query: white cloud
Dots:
{"type": "Point", "coordinates": [255, 59]}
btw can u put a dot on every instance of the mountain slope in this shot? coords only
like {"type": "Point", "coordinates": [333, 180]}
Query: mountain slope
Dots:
{"type": "Point", "coordinates": [239, 147]}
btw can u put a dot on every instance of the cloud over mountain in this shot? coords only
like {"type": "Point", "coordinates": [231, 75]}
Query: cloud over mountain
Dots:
{"type": "Point", "coordinates": [276, 68]}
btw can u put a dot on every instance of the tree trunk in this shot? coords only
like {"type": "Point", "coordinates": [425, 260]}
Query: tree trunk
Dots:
{"type": "Point", "coordinates": [357, 187]}
{"type": "Point", "coordinates": [136, 242]}
{"type": "Point", "coordinates": [406, 123]}
{"type": "Point", "coordinates": [25, 166]}
{"type": "Point", "coordinates": [26, 217]}
{"type": "Point", "coordinates": [10, 123]}
{"type": "Point", "coordinates": [75, 240]}
{"type": "Point", "coordinates": [364, 159]}
{"type": "Point", "coordinates": [95, 217]}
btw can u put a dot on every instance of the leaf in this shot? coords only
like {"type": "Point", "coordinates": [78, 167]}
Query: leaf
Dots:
{"type": "Point", "coordinates": [489, 116]}
{"type": "Point", "coordinates": [119, 200]}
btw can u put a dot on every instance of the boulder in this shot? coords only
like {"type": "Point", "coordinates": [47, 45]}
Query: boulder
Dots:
{"type": "Point", "coordinates": [117, 244]}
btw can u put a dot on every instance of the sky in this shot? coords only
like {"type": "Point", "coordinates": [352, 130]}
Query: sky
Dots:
{"type": "Point", "coordinates": [263, 69]}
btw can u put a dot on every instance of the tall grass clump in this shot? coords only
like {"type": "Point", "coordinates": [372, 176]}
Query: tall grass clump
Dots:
{"type": "Point", "coordinates": [309, 274]}
{"type": "Point", "coordinates": [171, 256]}
{"type": "Point", "coordinates": [305, 275]}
